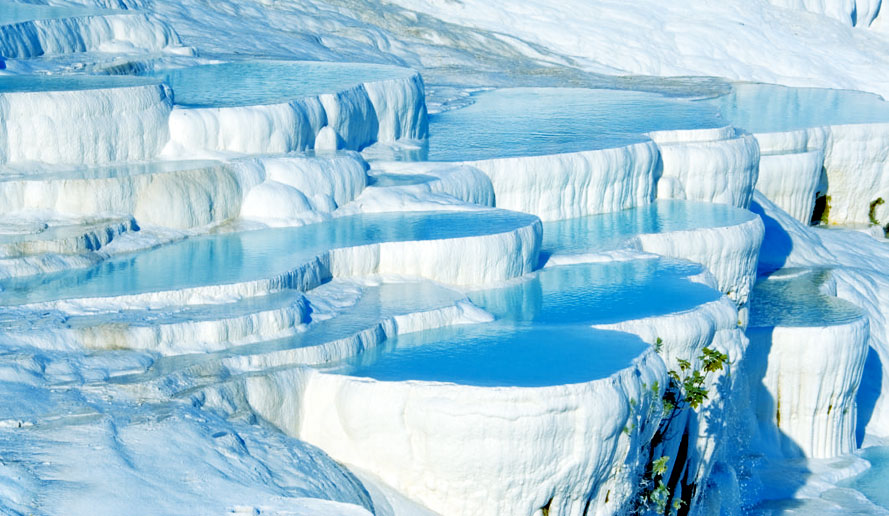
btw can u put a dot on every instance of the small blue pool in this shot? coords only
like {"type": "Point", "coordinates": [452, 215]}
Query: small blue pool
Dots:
{"type": "Point", "coordinates": [542, 334]}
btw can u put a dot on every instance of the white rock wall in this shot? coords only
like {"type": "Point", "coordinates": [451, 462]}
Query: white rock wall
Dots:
{"type": "Point", "coordinates": [571, 185]}
{"type": "Point", "coordinates": [718, 171]}
{"type": "Point", "coordinates": [454, 457]}
{"type": "Point", "coordinates": [729, 253]}
{"type": "Point", "coordinates": [85, 126]}
{"type": "Point", "coordinates": [180, 199]}
{"type": "Point", "coordinates": [806, 380]}
{"type": "Point", "coordinates": [857, 166]}
{"type": "Point", "coordinates": [791, 181]}
{"type": "Point", "coordinates": [349, 119]}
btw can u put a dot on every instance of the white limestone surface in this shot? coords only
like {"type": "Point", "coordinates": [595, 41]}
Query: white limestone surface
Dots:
{"type": "Point", "coordinates": [351, 119]}
{"type": "Point", "coordinates": [579, 443]}
{"type": "Point", "coordinates": [857, 165]}
{"type": "Point", "coordinates": [806, 380]}
{"type": "Point", "coordinates": [301, 189]}
{"type": "Point", "coordinates": [791, 181]}
{"type": "Point", "coordinates": [730, 253]}
{"type": "Point", "coordinates": [683, 335]}
{"type": "Point", "coordinates": [423, 186]}
{"type": "Point", "coordinates": [84, 126]}
{"type": "Point", "coordinates": [718, 171]}
{"type": "Point", "coordinates": [563, 186]}
{"type": "Point", "coordinates": [183, 197]}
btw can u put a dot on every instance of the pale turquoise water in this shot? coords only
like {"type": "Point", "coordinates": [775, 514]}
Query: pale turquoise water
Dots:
{"type": "Point", "coordinates": [764, 108]}
{"type": "Point", "coordinates": [32, 83]}
{"type": "Point", "coordinates": [252, 83]}
{"type": "Point", "coordinates": [540, 121]}
{"type": "Point", "coordinates": [14, 12]}
{"type": "Point", "coordinates": [791, 298]}
{"type": "Point", "coordinates": [244, 256]}
{"type": "Point", "coordinates": [542, 334]}
{"type": "Point", "coordinates": [497, 354]}
{"type": "Point", "coordinates": [376, 303]}
{"type": "Point", "coordinates": [874, 483]}
{"type": "Point", "coordinates": [610, 230]}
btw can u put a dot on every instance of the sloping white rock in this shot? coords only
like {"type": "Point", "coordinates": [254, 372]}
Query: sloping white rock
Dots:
{"type": "Point", "coordinates": [85, 33]}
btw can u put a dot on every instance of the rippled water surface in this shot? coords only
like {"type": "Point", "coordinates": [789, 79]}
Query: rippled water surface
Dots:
{"type": "Point", "coordinates": [793, 298]}
{"type": "Point", "coordinates": [251, 83]}
{"type": "Point", "coordinates": [539, 121]}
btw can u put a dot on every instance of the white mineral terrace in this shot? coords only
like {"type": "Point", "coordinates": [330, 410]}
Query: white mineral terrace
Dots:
{"type": "Point", "coordinates": [351, 258]}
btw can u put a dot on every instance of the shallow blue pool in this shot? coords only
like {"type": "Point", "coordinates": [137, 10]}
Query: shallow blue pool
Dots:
{"type": "Point", "coordinates": [244, 256]}
{"type": "Point", "coordinates": [874, 483]}
{"type": "Point", "coordinates": [597, 293]}
{"type": "Point", "coordinates": [32, 83]}
{"type": "Point", "coordinates": [251, 83]}
{"type": "Point", "coordinates": [14, 12]}
{"type": "Point", "coordinates": [542, 334]}
{"type": "Point", "coordinates": [791, 297]}
{"type": "Point", "coordinates": [611, 230]}
{"type": "Point", "coordinates": [765, 108]}
{"type": "Point", "coordinates": [540, 121]}
{"type": "Point", "coordinates": [497, 354]}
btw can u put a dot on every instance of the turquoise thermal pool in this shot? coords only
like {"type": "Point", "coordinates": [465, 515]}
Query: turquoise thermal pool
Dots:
{"type": "Point", "coordinates": [244, 256]}
{"type": "Point", "coordinates": [793, 297]}
{"type": "Point", "coordinates": [542, 334]}
{"type": "Point", "coordinates": [611, 230]}
{"type": "Point", "coordinates": [250, 83]}
{"type": "Point", "coordinates": [540, 121]}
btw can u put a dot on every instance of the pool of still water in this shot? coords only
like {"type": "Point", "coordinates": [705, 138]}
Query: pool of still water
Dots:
{"type": "Point", "coordinates": [542, 334]}
{"type": "Point", "coordinates": [250, 255]}
{"type": "Point", "coordinates": [873, 482]}
{"type": "Point", "coordinates": [539, 121]}
{"type": "Point", "coordinates": [251, 83]}
{"type": "Point", "coordinates": [766, 108]}
{"type": "Point", "coordinates": [792, 297]}
{"type": "Point", "coordinates": [610, 230]}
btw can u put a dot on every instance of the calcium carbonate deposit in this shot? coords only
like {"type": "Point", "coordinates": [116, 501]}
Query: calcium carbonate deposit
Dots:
{"type": "Point", "coordinates": [418, 257]}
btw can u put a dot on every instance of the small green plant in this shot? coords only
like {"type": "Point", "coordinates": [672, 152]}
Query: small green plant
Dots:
{"type": "Point", "coordinates": [872, 214]}
{"type": "Point", "coordinates": [687, 388]}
